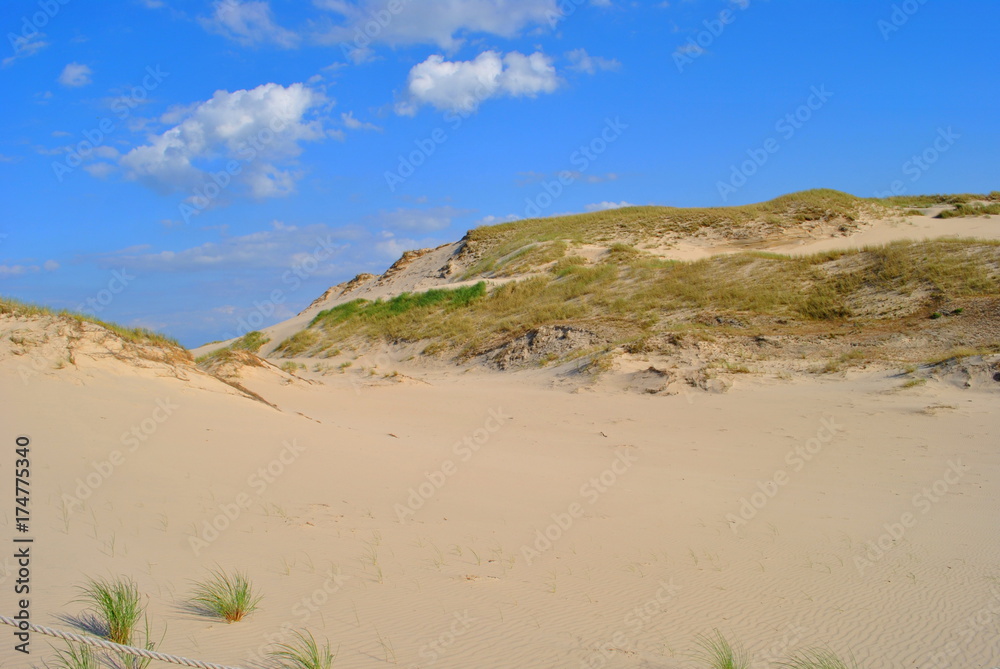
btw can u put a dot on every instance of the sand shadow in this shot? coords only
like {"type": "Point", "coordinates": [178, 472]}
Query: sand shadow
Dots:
{"type": "Point", "coordinates": [85, 622]}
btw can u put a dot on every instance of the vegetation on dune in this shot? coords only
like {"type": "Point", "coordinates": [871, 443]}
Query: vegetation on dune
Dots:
{"type": "Point", "coordinates": [304, 653]}
{"type": "Point", "coordinates": [251, 342]}
{"type": "Point", "coordinates": [629, 295]}
{"type": "Point", "coordinates": [499, 246]}
{"type": "Point", "coordinates": [924, 201]}
{"type": "Point", "coordinates": [818, 658]}
{"type": "Point", "coordinates": [963, 210]}
{"type": "Point", "coordinates": [719, 653]}
{"type": "Point", "coordinates": [228, 596]}
{"type": "Point", "coordinates": [133, 335]}
{"type": "Point", "coordinates": [117, 605]}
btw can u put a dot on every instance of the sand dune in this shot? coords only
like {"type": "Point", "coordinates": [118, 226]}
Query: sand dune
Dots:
{"type": "Point", "coordinates": [438, 519]}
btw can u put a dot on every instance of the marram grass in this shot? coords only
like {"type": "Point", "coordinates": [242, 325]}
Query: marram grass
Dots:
{"type": "Point", "coordinates": [818, 658]}
{"type": "Point", "coordinates": [76, 657]}
{"type": "Point", "coordinates": [718, 653]}
{"type": "Point", "coordinates": [229, 596]}
{"type": "Point", "coordinates": [117, 605]}
{"type": "Point", "coordinates": [304, 653]}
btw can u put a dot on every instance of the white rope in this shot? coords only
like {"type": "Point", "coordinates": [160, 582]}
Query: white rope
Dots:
{"type": "Point", "coordinates": [101, 643]}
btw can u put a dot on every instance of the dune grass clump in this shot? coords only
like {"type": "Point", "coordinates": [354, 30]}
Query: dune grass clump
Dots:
{"type": "Point", "coordinates": [117, 605]}
{"type": "Point", "coordinates": [963, 210]}
{"type": "Point", "coordinates": [818, 658]}
{"type": "Point", "coordinates": [76, 657]}
{"type": "Point", "coordinates": [718, 653]}
{"type": "Point", "coordinates": [228, 596]}
{"type": "Point", "coordinates": [251, 341]}
{"type": "Point", "coordinates": [304, 653]}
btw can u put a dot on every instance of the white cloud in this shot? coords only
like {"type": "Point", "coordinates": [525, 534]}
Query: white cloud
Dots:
{"type": "Point", "coordinates": [496, 220]}
{"type": "Point", "coordinates": [25, 47]}
{"type": "Point", "coordinates": [463, 85]}
{"type": "Point", "coordinates": [249, 23]}
{"type": "Point", "coordinates": [279, 248]}
{"type": "Point", "coordinates": [604, 206]}
{"type": "Point", "coordinates": [437, 22]}
{"type": "Point", "coordinates": [75, 75]}
{"type": "Point", "coordinates": [19, 270]}
{"type": "Point", "coordinates": [352, 123]}
{"type": "Point", "coordinates": [418, 220]}
{"type": "Point", "coordinates": [584, 62]}
{"type": "Point", "coordinates": [259, 129]}
{"type": "Point", "coordinates": [99, 170]}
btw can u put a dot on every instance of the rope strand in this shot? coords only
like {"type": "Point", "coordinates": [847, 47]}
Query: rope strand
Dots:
{"type": "Point", "coordinates": [108, 645]}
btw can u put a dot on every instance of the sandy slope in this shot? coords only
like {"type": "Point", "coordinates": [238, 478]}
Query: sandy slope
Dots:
{"type": "Point", "coordinates": [656, 545]}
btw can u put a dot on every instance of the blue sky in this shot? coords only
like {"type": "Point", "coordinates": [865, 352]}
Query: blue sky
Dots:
{"type": "Point", "coordinates": [197, 167]}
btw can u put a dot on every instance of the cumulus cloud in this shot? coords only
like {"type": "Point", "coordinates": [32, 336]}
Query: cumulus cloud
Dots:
{"type": "Point", "coordinates": [259, 130]}
{"type": "Point", "coordinates": [249, 23]}
{"type": "Point", "coordinates": [463, 85]}
{"type": "Point", "coordinates": [440, 22]}
{"type": "Point", "coordinates": [75, 75]}
{"type": "Point", "coordinates": [581, 61]}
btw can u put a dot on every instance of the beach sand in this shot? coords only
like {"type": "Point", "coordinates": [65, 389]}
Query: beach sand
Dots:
{"type": "Point", "coordinates": [448, 519]}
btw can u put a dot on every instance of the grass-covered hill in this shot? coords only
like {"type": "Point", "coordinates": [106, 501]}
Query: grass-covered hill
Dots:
{"type": "Point", "coordinates": [627, 298]}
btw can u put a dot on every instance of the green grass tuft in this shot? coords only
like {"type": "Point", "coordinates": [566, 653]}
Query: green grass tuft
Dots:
{"type": "Point", "coordinates": [719, 653]}
{"type": "Point", "coordinates": [818, 658]}
{"type": "Point", "coordinates": [228, 596]}
{"type": "Point", "coordinates": [251, 341]}
{"type": "Point", "coordinates": [304, 653]}
{"type": "Point", "coordinates": [117, 605]}
{"type": "Point", "coordinates": [964, 210]}
{"type": "Point", "coordinates": [77, 657]}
